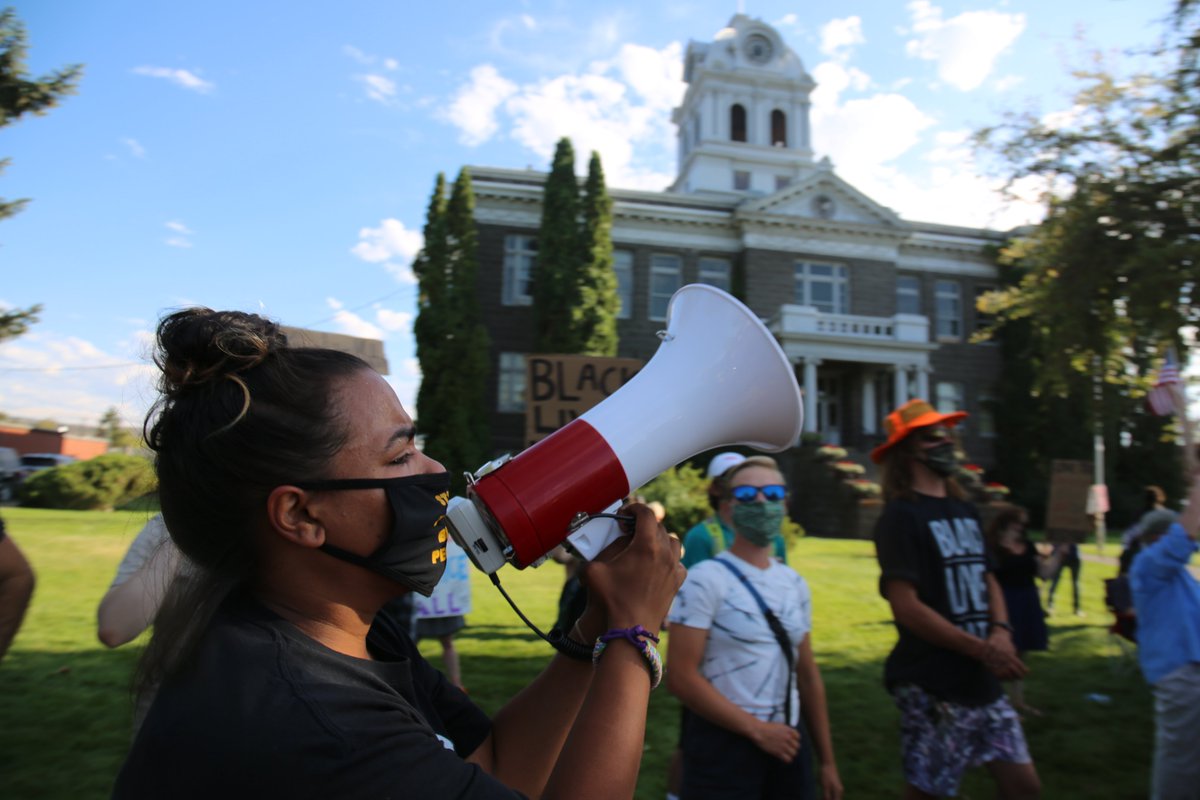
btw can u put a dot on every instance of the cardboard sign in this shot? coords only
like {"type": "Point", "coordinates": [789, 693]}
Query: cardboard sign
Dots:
{"type": "Point", "coordinates": [1067, 518]}
{"type": "Point", "coordinates": [559, 388]}
{"type": "Point", "coordinates": [452, 596]}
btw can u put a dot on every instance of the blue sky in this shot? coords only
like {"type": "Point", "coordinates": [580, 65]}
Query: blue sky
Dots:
{"type": "Point", "coordinates": [278, 156]}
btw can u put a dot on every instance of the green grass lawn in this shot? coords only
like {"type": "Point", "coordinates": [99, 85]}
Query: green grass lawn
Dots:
{"type": "Point", "coordinates": [64, 710]}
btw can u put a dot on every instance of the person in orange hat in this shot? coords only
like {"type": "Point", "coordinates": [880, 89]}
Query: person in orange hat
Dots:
{"type": "Point", "coordinates": [955, 642]}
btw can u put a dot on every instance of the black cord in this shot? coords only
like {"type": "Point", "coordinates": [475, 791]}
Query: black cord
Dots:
{"type": "Point", "coordinates": [557, 639]}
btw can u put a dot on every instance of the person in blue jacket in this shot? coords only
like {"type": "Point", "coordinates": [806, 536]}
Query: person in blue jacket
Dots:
{"type": "Point", "coordinates": [1167, 599]}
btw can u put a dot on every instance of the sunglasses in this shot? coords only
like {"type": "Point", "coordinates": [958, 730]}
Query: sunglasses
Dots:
{"type": "Point", "coordinates": [935, 435]}
{"type": "Point", "coordinates": [747, 494]}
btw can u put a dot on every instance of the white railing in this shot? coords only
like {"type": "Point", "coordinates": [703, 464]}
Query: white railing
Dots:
{"type": "Point", "coordinates": [807, 319]}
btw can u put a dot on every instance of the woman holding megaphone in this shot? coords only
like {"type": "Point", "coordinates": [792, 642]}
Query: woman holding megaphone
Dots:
{"type": "Point", "coordinates": [290, 478]}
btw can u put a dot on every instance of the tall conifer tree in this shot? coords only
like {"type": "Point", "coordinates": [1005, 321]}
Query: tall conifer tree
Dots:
{"type": "Point", "coordinates": [559, 256]}
{"type": "Point", "coordinates": [430, 268]}
{"type": "Point", "coordinates": [595, 316]}
{"type": "Point", "coordinates": [452, 344]}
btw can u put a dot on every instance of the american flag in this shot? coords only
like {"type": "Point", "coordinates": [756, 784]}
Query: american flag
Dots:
{"type": "Point", "coordinates": [1161, 398]}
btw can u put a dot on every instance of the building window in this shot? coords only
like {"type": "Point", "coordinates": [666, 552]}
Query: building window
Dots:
{"type": "Point", "coordinates": [782, 182]}
{"type": "Point", "coordinates": [741, 180]}
{"type": "Point", "coordinates": [666, 276]}
{"type": "Point", "coordinates": [948, 297]}
{"type": "Point", "coordinates": [696, 129]}
{"type": "Point", "coordinates": [778, 129]}
{"type": "Point", "coordinates": [737, 123]}
{"type": "Point", "coordinates": [985, 419]}
{"type": "Point", "coordinates": [520, 253]}
{"type": "Point", "coordinates": [825, 287]}
{"type": "Point", "coordinates": [510, 388]}
{"type": "Point", "coordinates": [908, 295]}
{"type": "Point", "coordinates": [623, 266]}
{"type": "Point", "coordinates": [948, 397]}
{"type": "Point", "coordinates": [715, 272]}
{"type": "Point", "coordinates": [983, 320]}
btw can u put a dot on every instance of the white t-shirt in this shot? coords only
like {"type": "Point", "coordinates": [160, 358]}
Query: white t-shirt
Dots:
{"type": "Point", "coordinates": [742, 659]}
{"type": "Point", "coordinates": [153, 536]}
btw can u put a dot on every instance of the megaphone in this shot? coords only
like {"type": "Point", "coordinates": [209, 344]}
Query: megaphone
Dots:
{"type": "Point", "coordinates": [717, 379]}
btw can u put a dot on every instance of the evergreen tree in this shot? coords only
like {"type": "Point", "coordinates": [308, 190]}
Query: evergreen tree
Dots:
{"type": "Point", "coordinates": [560, 252]}
{"type": "Point", "coordinates": [19, 95]}
{"type": "Point", "coordinates": [452, 344]}
{"type": "Point", "coordinates": [431, 267]}
{"type": "Point", "coordinates": [595, 316]}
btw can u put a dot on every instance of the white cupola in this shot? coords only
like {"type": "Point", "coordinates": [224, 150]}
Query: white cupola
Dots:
{"type": "Point", "coordinates": [743, 124]}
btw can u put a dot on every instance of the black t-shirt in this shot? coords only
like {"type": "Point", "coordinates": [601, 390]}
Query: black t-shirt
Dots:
{"type": "Point", "coordinates": [936, 544]}
{"type": "Point", "coordinates": [265, 711]}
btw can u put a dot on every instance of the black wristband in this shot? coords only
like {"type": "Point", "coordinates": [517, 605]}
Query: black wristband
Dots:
{"type": "Point", "coordinates": [998, 624]}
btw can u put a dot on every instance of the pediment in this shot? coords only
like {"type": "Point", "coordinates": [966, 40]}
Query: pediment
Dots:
{"type": "Point", "coordinates": [823, 196]}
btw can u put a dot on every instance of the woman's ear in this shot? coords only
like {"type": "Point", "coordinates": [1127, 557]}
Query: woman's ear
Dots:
{"type": "Point", "coordinates": [290, 516]}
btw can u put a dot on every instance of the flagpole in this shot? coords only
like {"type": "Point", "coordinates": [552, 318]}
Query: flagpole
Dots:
{"type": "Point", "coordinates": [1098, 453]}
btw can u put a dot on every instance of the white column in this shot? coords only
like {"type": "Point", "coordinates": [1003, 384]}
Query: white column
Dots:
{"type": "Point", "coordinates": [870, 416]}
{"type": "Point", "coordinates": [810, 394]}
{"type": "Point", "coordinates": [923, 382]}
{"type": "Point", "coordinates": [899, 385]}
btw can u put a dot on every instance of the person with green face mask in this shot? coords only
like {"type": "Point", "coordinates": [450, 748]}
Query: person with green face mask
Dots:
{"type": "Point", "coordinates": [741, 660]}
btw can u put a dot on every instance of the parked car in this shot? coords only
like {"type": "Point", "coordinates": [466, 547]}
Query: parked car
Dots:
{"type": "Point", "coordinates": [36, 462]}
{"type": "Point", "coordinates": [10, 467]}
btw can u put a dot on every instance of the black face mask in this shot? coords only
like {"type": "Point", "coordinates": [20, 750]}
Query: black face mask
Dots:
{"type": "Point", "coordinates": [414, 553]}
{"type": "Point", "coordinates": [941, 459]}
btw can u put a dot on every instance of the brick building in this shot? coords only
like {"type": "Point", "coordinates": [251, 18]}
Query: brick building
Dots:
{"type": "Point", "coordinates": [872, 309]}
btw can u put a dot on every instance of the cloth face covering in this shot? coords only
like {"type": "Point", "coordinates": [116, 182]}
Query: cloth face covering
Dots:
{"type": "Point", "coordinates": [758, 523]}
{"type": "Point", "coordinates": [941, 459]}
{"type": "Point", "coordinates": [414, 552]}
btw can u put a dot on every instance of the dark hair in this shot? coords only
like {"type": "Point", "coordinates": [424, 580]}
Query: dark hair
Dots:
{"type": "Point", "coordinates": [896, 466]}
{"type": "Point", "coordinates": [239, 413]}
{"type": "Point", "coordinates": [1007, 516]}
{"type": "Point", "coordinates": [1153, 497]}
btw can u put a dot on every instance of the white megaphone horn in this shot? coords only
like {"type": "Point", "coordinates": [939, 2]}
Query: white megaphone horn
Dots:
{"type": "Point", "coordinates": [718, 379]}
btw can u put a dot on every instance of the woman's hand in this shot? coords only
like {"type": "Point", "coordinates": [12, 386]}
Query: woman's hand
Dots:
{"type": "Point", "coordinates": [776, 739]}
{"type": "Point", "coordinates": [637, 576]}
{"type": "Point", "coordinates": [831, 782]}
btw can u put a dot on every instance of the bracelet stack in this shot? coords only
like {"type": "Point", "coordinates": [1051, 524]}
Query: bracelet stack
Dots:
{"type": "Point", "coordinates": [640, 638]}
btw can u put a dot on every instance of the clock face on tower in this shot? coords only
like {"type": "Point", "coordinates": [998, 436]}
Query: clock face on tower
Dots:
{"type": "Point", "coordinates": [758, 48]}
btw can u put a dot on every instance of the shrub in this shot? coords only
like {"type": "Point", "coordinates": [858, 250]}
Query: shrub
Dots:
{"type": "Point", "coordinates": [683, 491]}
{"type": "Point", "coordinates": [101, 483]}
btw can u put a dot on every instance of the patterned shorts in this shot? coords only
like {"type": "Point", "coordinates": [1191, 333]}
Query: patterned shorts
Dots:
{"type": "Point", "coordinates": [941, 740]}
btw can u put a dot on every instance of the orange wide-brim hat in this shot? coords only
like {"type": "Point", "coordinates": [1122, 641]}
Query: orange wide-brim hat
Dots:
{"type": "Point", "coordinates": [909, 417]}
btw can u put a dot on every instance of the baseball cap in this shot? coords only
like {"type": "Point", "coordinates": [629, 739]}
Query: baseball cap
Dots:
{"type": "Point", "coordinates": [722, 462]}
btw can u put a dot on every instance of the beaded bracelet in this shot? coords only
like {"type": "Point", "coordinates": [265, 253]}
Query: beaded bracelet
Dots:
{"type": "Point", "coordinates": [640, 638]}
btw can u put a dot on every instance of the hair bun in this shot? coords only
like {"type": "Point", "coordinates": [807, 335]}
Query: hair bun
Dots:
{"type": "Point", "coordinates": [198, 345]}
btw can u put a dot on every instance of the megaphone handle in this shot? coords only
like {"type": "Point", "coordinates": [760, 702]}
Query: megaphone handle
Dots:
{"type": "Point", "coordinates": [599, 531]}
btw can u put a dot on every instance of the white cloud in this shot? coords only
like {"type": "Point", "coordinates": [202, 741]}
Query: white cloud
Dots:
{"type": "Point", "coordinates": [358, 55]}
{"type": "Point", "coordinates": [378, 87]}
{"type": "Point", "coordinates": [786, 20]}
{"type": "Point", "coordinates": [529, 22]}
{"type": "Point", "coordinates": [350, 323]}
{"type": "Point", "coordinates": [965, 47]}
{"type": "Point", "coordinates": [46, 375]}
{"type": "Point", "coordinates": [178, 241]}
{"type": "Point", "coordinates": [135, 147]}
{"type": "Point", "coordinates": [473, 109]}
{"type": "Point", "coordinates": [391, 64]}
{"type": "Point", "coordinates": [181, 232]}
{"type": "Point", "coordinates": [839, 36]}
{"type": "Point", "coordinates": [620, 107]}
{"type": "Point", "coordinates": [178, 227]}
{"type": "Point", "coordinates": [392, 245]}
{"type": "Point", "coordinates": [179, 77]}
{"type": "Point", "coordinates": [393, 321]}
